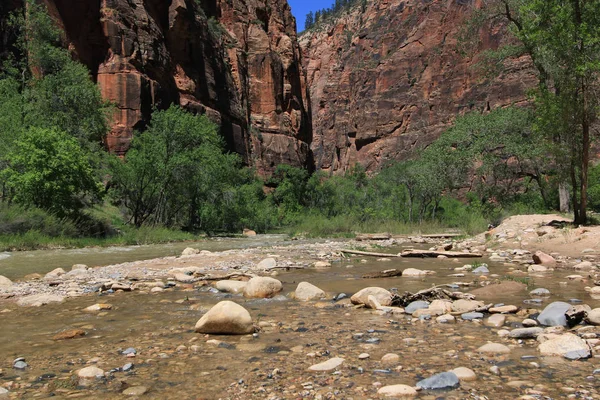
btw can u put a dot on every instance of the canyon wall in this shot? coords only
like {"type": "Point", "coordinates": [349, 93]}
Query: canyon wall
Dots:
{"type": "Point", "coordinates": [387, 80]}
{"type": "Point", "coordinates": [237, 61]}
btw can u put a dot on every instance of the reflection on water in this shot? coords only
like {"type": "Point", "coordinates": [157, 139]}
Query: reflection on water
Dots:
{"type": "Point", "coordinates": [173, 362]}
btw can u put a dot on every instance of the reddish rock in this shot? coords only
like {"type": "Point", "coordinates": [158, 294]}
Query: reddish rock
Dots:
{"type": "Point", "coordinates": [237, 61]}
{"type": "Point", "coordinates": [387, 82]}
{"type": "Point", "coordinates": [544, 259]}
{"type": "Point", "coordinates": [69, 334]}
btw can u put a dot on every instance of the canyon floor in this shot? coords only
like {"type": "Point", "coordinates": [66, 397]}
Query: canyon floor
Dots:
{"type": "Point", "coordinates": [128, 330]}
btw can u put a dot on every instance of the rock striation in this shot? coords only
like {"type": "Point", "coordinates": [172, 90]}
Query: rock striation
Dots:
{"type": "Point", "coordinates": [386, 82]}
{"type": "Point", "coordinates": [237, 61]}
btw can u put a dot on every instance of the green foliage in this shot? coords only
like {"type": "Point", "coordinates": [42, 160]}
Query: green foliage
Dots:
{"type": "Point", "coordinates": [48, 169]}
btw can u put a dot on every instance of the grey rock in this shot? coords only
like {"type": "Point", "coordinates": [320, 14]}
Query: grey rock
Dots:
{"type": "Point", "coordinates": [445, 380]}
{"type": "Point", "coordinates": [554, 314]}
{"type": "Point", "coordinates": [416, 305]}
{"type": "Point", "coordinates": [129, 350]}
{"type": "Point", "coordinates": [481, 270]}
{"type": "Point", "coordinates": [471, 316]}
{"type": "Point", "coordinates": [20, 365]}
{"type": "Point", "coordinates": [525, 333]}
{"type": "Point", "coordinates": [127, 367]}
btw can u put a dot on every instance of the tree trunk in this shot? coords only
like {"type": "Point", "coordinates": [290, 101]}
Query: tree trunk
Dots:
{"type": "Point", "coordinates": [563, 197]}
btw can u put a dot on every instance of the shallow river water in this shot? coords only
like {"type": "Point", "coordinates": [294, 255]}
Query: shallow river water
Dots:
{"type": "Point", "coordinates": [173, 362]}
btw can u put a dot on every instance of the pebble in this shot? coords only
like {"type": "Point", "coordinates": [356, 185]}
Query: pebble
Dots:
{"type": "Point", "coordinates": [471, 316]}
{"type": "Point", "coordinates": [128, 351]}
{"type": "Point", "coordinates": [540, 292]}
{"type": "Point", "coordinates": [127, 367]}
{"type": "Point", "coordinates": [20, 364]}
{"type": "Point", "coordinates": [494, 348]}
{"type": "Point", "coordinates": [363, 356]}
{"type": "Point", "coordinates": [390, 358]}
{"type": "Point", "coordinates": [525, 333]}
{"type": "Point", "coordinates": [496, 320]}
{"type": "Point", "coordinates": [135, 391]}
{"type": "Point", "coordinates": [90, 373]}
{"type": "Point", "coordinates": [529, 322]}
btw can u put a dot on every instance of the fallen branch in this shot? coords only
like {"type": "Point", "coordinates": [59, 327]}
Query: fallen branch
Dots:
{"type": "Point", "coordinates": [442, 235]}
{"type": "Point", "coordinates": [368, 253]}
{"type": "Point", "coordinates": [239, 275]}
{"type": "Point", "coordinates": [432, 293]}
{"type": "Point", "coordinates": [435, 253]}
{"type": "Point", "coordinates": [373, 236]}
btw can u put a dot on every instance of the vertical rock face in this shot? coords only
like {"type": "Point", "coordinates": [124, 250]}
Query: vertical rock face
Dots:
{"type": "Point", "coordinates": [386, 82]}
{"type": "Point", "coordinates": [238, 61]}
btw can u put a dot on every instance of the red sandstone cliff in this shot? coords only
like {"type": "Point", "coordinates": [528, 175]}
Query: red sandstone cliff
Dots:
{"type": "Point", "coordinates": [236, 60]}
{"type": "Point", "coordinates": [387, 82]}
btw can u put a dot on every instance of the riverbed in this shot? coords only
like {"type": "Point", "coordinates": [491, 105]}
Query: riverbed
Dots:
{"type": "Point", "coordinates": [174, 362]}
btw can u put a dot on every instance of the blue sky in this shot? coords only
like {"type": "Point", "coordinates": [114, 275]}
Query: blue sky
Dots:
{"type": "Point", "coordinates": [302, 7]}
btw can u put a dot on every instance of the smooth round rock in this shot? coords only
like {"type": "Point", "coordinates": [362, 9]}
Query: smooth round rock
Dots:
{"type": "Point", "coordinates": [5, 282]}
{"type": "Point", "coordinates": [90, 373]}
{"type": "Point", "coordinates": [383, 296]}
{"type": "Point", "coordinates": [262, 287]}
{"type": "Point", "coordinates": [494, 348]}
{"type": "Point", "coordinates": [496, 320]}
{"type": "Point", "coordinates": [398, 391]}
{"type": "Point", "coordinates": [540, 292]}
{"type": "Point", "coordinates": [416, 305]}
{"type": "Point", "coordinates": [226, 318]}
{"type": "Point", "coordinates": [328, 365]}
{"type": "Point", "coordinates": [307, 292]}
{"type": "Point", "coordinates": [464, 374]}
{"type": "Point", "coordinates": [390, 358]}
{"type": "Point", "coordinates": [525, 333]}
{"type": "Point", "coordinates": [471, 316]}
{"type": "Point", "coordinates": [593, 317]}
{"type": "Point", "coordinates": [230, 286]}
{"type": "Point", "coordinates": [267, 263]}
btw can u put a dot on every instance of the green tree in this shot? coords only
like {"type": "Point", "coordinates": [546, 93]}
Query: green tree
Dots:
{"type": "Point", "coordinates": [563, 40]}
{"type": "Point", "coordinates": [49, 169]}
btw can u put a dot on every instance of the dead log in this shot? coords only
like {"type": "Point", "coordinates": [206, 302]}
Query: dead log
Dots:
{"type": "Point", "coordinates": [233, 276]}
{"type": "Point", "coordinates": [388, 273]}
{"type": "Point", "coordinates": [436, 253]}
{"type": "Point", "coordinates": [373, 236]}
{"type": "Point", "coordinates": [369, 253]}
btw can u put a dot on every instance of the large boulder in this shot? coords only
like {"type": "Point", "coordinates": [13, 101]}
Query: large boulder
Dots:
{"type": "Point", "coordinates": [567, 345]}
{"type": "Point", "coordinates": [544, 259]}
{"type": "Point", "coordinates": [226, 318]}
{"type": "Point", "coordinates": [465, 306]}
{"type": "Point", "coordinates": [54, 274]}
{"type": "Point", "coordinates": [384, 297]}
{"type": "Point", "coordinates": [306, 292]}
{"type": "Point", "coordinates": [230, 286]}
{"type": "Point", "coordinates": [262, 287]}
{"type": "Point", "coordinates": [5, 283]}
{"type": "Point", "coordinates": [189, 251]}
{"type": "Point", "coordinates": [554, 314]}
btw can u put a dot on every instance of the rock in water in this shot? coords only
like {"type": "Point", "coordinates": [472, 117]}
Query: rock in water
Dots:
{"type": "Point", "coordinates": [306, 292]}
{"type": "Point", "coordinates": [494, 348]}
{"type": "Point", "coordinates": [567, 345]}
{"type": "Point", "coordinates": [5, 282]}
{"type": "Point", "coordinates": [88, 374]}
{"type": "Point", "coordinates": [190, 251]}
{"type": "Point", "coordinates": [135, 391]}
{"type": "Point", "coordinates": [230, 286]}
{"type": "Point", "coordinates": [525, 333]}
{"type": "Point", "coordinates": [464, 374]}
{"type": "Point", "coordinates": [262, 287]}
{"type": "Point", "coordinates": [227, 318]}
{"type": "Point", "coordinates": [416, 305]}
{"type": "Point", "coordinates": [69, 334]}
{"type": "Point", "coordinates": [328, 365]}
{"type": "Point", "coordinates": [465, 306]}
{"type": "Point", "coordinates": [384, 297]}
{"type": "Point", "coordinates": [444, 380]}
{"type": "Point", "coordinates": [267, 263]}
{"type": "Point", "coordinates": [554, 314]}
{"type": "Point", "coordinates": [544, 259]}
{"type": "Point", "coordinates": [37, 300]}
{"type": "Point", "coordinates": [397, 391]}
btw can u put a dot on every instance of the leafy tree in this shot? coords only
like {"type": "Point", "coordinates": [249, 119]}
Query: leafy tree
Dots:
{"type": "Point", "coordinates": [49, 169]}
{"type": "Point", "coordinates": [563, 40]}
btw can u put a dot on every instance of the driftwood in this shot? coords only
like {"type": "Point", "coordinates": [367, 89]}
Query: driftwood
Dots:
{"type": "Point", "coordinates": [433, 293]}
{"type": "Point", "coordinates": [233, 276]}
{"type": "Point", "coordinates": [435, 253]}
{"type": "Point", "coordinates": [373, 236]}
{"type": "Point", "coordinates": [442, 235]}
{"type": "Point", "coordinates": [369, 253]}
{"type": "Point", "coordinates": [388, 273]}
